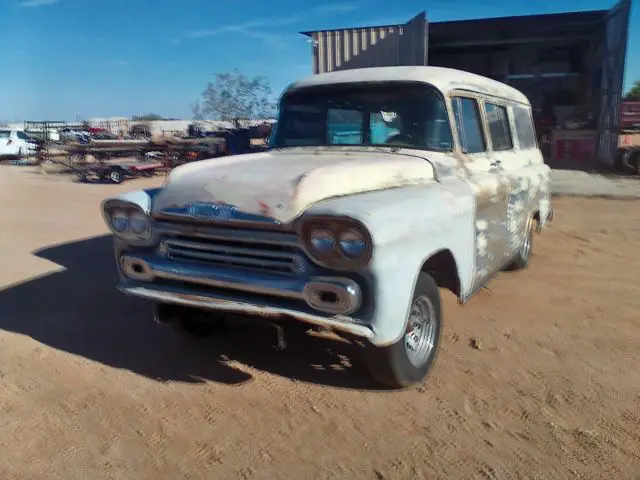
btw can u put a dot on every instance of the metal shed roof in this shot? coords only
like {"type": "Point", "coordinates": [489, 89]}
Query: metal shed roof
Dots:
{"type": "Point", "coordinates": [546, 21]}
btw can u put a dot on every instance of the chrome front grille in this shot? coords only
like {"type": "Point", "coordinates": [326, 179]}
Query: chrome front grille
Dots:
{"type": "Point", "coordinates": [237, 253]}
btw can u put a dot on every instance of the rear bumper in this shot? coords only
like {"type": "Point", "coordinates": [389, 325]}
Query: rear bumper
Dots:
{"type": "Point", "coordinates": [219, 303]}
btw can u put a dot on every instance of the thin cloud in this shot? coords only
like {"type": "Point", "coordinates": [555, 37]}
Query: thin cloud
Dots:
{"type": "Point", "coordinates": [376, 22]}
{"type": "Point", "coordinates": [336, 8]}
{"type": "Point", "coordinates": [37, 3]}
{"type": "Point", "coordinates": [256, 28]}
{"type": "Point", "coordinates": [246, 27]}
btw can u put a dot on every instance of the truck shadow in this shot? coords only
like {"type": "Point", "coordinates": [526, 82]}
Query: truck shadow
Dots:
{"type": "Point", "coordinates": [79, 311]}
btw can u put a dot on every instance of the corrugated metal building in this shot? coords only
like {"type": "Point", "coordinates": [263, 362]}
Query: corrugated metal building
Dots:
{"type": "Point", "coordinates": [570, 65]}
{"type": "Point", "coordinates": [370, 46]}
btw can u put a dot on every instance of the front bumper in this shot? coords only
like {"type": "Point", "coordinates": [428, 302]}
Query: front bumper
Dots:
{"type": "Point", "coordinates": [223, 303]}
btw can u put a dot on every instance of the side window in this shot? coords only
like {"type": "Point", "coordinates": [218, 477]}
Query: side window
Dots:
{"type": "Point", "coordinates": [468, 124]}
{"type": "Point", "coordinates": [344, 127]}
{"type": "Point", "coordinates": [380, 130]}
{"type": "Point", "coordinates": [499, 130]}
{"type": "Point", "coordinates": [524, 128]}
{"type": "Point", "coordinates": [22, 135]}
{"type": "Point", "coordinates": [438, 133]}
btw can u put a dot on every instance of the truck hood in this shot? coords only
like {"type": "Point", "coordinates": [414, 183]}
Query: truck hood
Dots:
{"type": "Point", "coordinates": [283, 184]}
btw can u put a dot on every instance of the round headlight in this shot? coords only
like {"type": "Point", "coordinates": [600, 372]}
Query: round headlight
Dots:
{"type": "Point", "coordinates": [321, 240]}
{"type": "Point", "coordinates": [352, 243]}
{"type": "Point", "coordinates": [139, 223]}
{"type": "Point", "coordinates": [120, 220]}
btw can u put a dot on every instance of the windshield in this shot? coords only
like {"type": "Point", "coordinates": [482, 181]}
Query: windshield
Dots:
{"type": "Point", "coordinates": [5, 133]}
{"type": "Point", "coordinates": [389, 114]}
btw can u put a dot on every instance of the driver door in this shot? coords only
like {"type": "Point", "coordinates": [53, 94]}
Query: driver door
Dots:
{"type": "Point", "coordinates": [490, 185]}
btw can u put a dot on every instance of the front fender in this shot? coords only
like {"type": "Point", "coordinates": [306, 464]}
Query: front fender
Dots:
{"type": "Point", "coordinates": [141, 198]}
{"type": "Point", "coordinates": [408, 226]}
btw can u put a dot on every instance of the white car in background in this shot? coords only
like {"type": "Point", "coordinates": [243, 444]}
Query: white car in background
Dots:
{"type": "Point", "coordinates": [15, 143]}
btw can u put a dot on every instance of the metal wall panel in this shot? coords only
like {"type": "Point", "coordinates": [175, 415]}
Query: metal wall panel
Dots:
{"type": "Point", "coordinates": [355, 48]}
{"type": "Point", "coordinates": [370, 46]}
{"type": "Point", "coordinates": [613, 63]}
{"type": "Point", "coordinates": [414, 41]}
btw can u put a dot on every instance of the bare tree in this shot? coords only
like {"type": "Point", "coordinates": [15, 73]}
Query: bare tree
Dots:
{"type": "Point", "coordinates": [633, 95]}
{"type": "Point", "coordinates": [148, 117]}
{"type": "Point", "coordinates": [196, 110]}
{"type": "Point", "coordinates": [236, 98]}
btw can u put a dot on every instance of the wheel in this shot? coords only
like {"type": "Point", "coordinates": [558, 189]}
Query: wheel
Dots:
{"type": "Point", "coordinates": [116, 176]}
{"type": "Point", "coordinates": [409, 360]}
{"type": "Point", "coordinates": [521, 261]}
{"type": "Point", "coordinates": [632, 158]}
{"type": "Point", "coordinates": [81, 177]}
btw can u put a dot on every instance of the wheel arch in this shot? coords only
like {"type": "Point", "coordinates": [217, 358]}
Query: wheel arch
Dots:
{"type": "Point", "coordinates": [443, 268]}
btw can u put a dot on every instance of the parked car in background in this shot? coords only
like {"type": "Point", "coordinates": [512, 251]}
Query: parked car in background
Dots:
{"type": "Point", "coordinates": [381, 187]}
{"type": "Point", "coordinates": [75, 135]}
{"type": "Point", "coordinates": [49, 134]}
{"type": "Point", "coordinates": [16, 143]}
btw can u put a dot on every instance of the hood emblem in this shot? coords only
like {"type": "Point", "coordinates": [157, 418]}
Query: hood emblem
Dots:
{"type": "Point", "coordinates": [214, 211]}
{"type": "Point", "coordinates": [211, 211]}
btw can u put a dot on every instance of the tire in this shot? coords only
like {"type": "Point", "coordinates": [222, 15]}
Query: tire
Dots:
{"type": "Point", "coordinates": [409, 360]}
{"type": "Point", "coordinates": [633, 159]}
{"type": "Point", "coordinates": [116, 176]}
{"type": "Point", "coordinates": [81, 177]}
{"type": "Point", "coordinates": [521, 260]}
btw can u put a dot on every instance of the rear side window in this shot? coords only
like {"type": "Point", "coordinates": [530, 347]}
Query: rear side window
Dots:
{"type": "Point", "coordinates": [468, 124]}
{"type": "Point", "coordinates": [524, 128]}
{"type": "Point", "coordinates": [499, 130]}
{"type": "Point", "coordinates": [22, 135]}
{"type": "Point", "coordinates": [344, 127]}
{"type": "Point", "coordinates": [5, 133]}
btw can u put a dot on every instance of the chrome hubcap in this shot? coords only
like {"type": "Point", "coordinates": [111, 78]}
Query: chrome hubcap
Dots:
{"type": "Point", "coordinates": [420, 336]}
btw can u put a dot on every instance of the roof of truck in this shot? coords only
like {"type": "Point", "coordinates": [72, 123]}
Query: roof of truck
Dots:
{"type": "Point", "coordinates": [444, 79]}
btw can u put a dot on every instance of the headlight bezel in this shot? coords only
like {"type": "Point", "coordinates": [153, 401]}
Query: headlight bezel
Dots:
{"type": "Point", "coordinates": [142, 237]}
{"type": "Point", "coordinates": [335, 258]}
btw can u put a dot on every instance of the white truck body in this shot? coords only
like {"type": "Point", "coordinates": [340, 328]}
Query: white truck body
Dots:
{"type": "Point", "coordinates": [471, 210]}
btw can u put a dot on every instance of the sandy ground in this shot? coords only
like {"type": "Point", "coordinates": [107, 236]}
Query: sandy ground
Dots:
{"type": "Point", "coordinates": [90, 388]}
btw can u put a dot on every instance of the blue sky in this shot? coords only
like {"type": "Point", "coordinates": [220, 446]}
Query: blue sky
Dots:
{"type": "Point", "coordinates": [69, 58]}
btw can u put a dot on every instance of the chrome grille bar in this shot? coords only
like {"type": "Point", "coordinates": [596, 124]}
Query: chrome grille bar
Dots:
{"type": "Point", "coordinates": [269, 258]}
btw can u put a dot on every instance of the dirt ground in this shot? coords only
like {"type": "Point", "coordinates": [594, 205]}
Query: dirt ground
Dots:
{"type": "Point", "coordinates": [538, 376]}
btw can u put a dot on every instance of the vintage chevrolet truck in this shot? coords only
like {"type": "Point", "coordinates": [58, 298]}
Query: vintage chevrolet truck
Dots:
{"type": "Point", "coordinates": [381, 186]}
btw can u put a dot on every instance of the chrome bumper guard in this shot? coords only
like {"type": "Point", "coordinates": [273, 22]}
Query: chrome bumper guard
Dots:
{"type": "Point", "coordinates": [207, 302]}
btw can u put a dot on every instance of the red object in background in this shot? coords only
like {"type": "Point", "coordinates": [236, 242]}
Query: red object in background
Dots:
{"type": "Point", "coordinates": [630, 116]}
{"type": "Point", "coordinates": [574, 150]}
